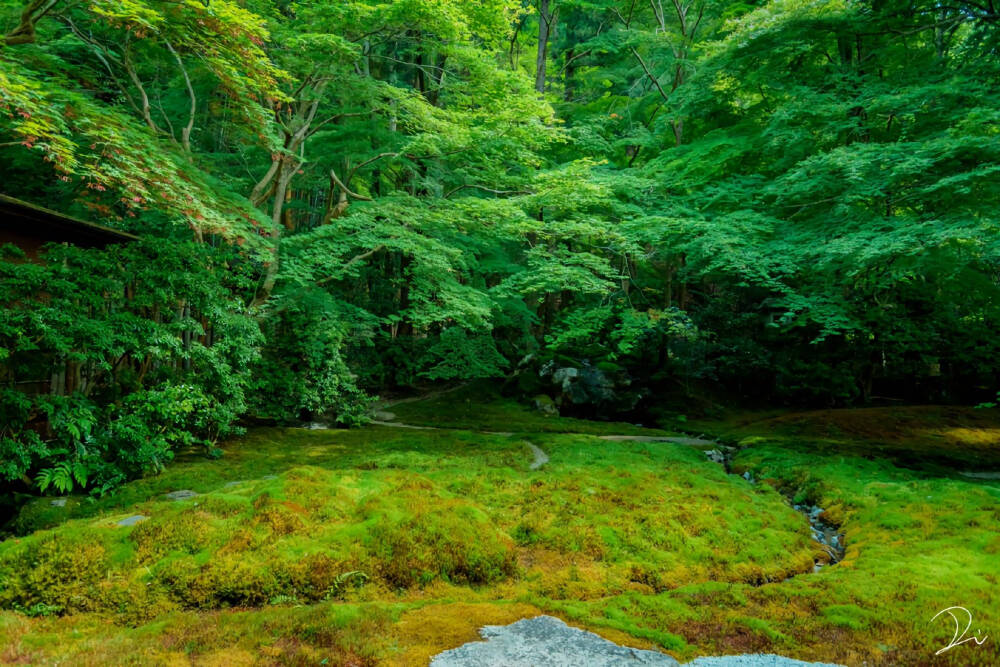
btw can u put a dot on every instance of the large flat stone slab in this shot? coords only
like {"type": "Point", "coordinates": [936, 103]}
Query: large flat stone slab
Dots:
{"type": "Point", "coordinates": [545, 641]}
{"type": "Point", "coordinates": [755, 660]}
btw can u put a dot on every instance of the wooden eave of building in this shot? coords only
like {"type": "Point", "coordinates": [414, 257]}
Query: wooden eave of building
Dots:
{"type": "Point", "coordinates": [29, 227]}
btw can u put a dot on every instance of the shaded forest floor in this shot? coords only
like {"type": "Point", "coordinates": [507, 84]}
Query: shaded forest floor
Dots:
{"type": "Point", "coordinates": [381, 545]}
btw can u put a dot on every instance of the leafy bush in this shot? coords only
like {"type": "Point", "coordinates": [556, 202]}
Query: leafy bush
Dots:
{"type": "Point", "coordinates": [139, 351]}
{"type": "Point", "coordinates": [457, 354]}
{"type": "Point", "coordinates": [302, 372]}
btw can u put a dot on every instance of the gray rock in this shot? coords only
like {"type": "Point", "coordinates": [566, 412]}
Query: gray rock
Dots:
{"type": "Point", "coordinates": [229, 485]}
{"type": "Point", "coordinates": [183, 494]}
{"type": "Point", "coordinates": [541, 458]}
{"type": "Point", "coordinates": [980, 474]}
{"type": "Point", "coordinates": [715, 456]}
{"type": "Point", "coordinates": [131, 520]}
{"type": "Point", "coordinates": [748, 476]}
{"type": "Point", "coordinates": [589, 386]}
{"type": "Point", "coordinates": [755, 660]}
{"type": "Point", "coordinates": [59, 502]}
{"type": "Point", "coordinates": [565, 376]}
{"type": "Point", "coordinates": [546, 405]}
{"type": "Point", "coordinates": [545, 641]}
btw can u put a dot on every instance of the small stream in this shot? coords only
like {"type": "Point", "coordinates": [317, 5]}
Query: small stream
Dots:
{"type": "Point", "coordinates": [826, 533]}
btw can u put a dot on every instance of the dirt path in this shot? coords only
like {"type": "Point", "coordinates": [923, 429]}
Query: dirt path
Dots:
{"type": "Point", "coordinates": [416, 399]}
{"type": "Point", "coordinates": [386, 418]}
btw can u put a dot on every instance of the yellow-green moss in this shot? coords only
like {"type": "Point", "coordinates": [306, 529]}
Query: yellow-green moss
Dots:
{"type": "Point", "coordinates": [386, 546]}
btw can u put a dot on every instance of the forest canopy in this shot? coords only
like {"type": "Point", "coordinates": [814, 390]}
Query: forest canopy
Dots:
{"type": "Point", "coordinates": [791, 201]}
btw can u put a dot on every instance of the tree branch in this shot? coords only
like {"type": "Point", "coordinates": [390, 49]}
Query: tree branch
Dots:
{"type": "Point", "coordinates": [24, 33]}
{"type": "Point", "coordinates": [130, 69]}
{"type": "Point", "coordinates": [105, 56]}
{"type": "Point", "coordinates": [649, 74]}
{"type": "Point", "coordinates": [486, 189]}
{"type": "Point", "coordinates": [354, 260]}
{"type": "Point", "coordinates": [316, 128]}
{"type": "Point", "coordinates": [186, 132]}
{"type": "Point", "coordinates": [347, 191]}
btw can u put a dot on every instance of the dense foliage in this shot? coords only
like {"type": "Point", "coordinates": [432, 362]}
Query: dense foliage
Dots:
{"type": "Point", "coordinates": [787, 200]}
{"type": "Point", "coordinates": [143, 348]}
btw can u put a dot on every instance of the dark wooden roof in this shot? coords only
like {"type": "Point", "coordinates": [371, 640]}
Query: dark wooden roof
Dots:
{"type": "Point", "coordinates": [22, 221]}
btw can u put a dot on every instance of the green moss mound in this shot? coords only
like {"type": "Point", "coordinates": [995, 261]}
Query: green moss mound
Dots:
{"type": "Point", "coordinates": [393, 514]}
{"type": "Point", "coordinates": [301, 542]}
{"type": "Point", "coordinates": [303, 536]}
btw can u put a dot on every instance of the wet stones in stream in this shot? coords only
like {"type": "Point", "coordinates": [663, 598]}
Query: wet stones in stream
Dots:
{"type": "Point", "coordinates": [716, 456]}
{"type": "Point", "coordinates": [823, 531]}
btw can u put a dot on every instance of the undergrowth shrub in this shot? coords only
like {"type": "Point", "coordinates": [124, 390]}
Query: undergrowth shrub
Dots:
{"type": "Point", "coordinates": [140, 350]}
{"type": "Point", "coordinates": [63, 572]}
{"type": "Point", "coordinates": [183, 533]}
{"type": "Point", "coordinates": [455, 542]}
{"type": "Point", "coordinates": [302, 373]}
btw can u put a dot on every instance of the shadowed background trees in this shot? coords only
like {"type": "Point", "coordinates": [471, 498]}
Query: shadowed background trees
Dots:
{"type": "Point", "coordinates": [776, 201]}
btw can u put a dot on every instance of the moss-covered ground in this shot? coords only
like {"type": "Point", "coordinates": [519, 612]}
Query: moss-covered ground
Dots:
{"type": "Point", "coordinates": [386, 546]}
{"type": "Point", "coordinates": [478, 407]}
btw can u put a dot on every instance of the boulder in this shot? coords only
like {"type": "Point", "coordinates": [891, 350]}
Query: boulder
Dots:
{"type": "Point", "coordinates": [545, 641]}
{"type": "Point", "coordinates": [564, 377]}
{"type": "Point", "coordinates": [578, 387]}
{"type": "Point", "coordinates": [546, 405]}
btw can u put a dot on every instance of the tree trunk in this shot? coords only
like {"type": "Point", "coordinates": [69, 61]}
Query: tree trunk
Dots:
{"type": "Point", "coordinates": [271, 274]}
{"type": "Point", "coordinates": [544, 26]}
